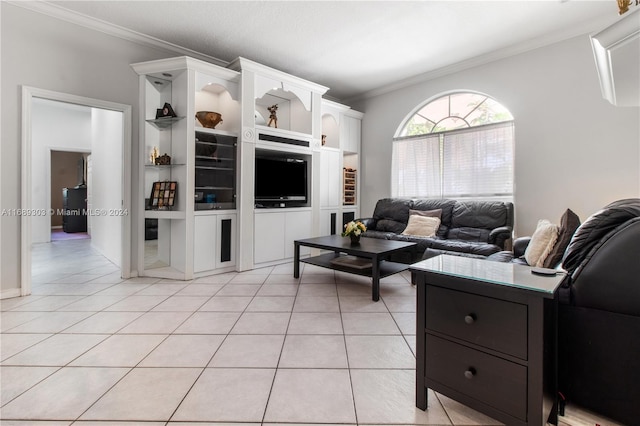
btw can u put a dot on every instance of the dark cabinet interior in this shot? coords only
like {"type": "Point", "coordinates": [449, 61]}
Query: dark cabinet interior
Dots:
{"type": "Point", "coordinates": [215, 171]}
{"type": "Point", "coordinates": [74, 202]}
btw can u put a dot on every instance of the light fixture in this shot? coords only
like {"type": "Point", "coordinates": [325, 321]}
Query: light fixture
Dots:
{"type": "Point", "coordinates": [616, 50]}
{"type": "Point", "coordinates": [623, 5]}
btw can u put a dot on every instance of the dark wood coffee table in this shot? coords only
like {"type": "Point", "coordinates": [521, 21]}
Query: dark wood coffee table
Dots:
{"type": "Point", "coordinates": [369, 258]}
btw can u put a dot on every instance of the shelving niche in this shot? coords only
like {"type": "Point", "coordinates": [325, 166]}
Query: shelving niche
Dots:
{"type": "Point", "coordinates": [339, 183]}
{"type": "Point", "coordinates": [203, 166]}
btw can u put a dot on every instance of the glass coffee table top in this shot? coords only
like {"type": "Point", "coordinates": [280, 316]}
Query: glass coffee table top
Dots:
{"type": "Point", "coordinates": [501, 273]}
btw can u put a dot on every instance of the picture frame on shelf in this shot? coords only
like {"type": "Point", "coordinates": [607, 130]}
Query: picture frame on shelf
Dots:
{"type": "Point", "coordinates": [163, 195]}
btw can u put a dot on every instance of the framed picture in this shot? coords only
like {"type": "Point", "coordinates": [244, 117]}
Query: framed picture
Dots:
{"type": "Point", "coordinates": [163, 195]}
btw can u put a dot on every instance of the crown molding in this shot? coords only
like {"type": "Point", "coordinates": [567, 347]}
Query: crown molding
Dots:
{"type": "Point", "coordinates": [63, 14]}
{"type": "Point", "coordinates": [579, 30]}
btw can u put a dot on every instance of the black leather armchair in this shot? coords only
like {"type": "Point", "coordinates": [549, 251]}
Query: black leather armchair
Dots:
{"type": "Point", "coordinates": [599, 314]}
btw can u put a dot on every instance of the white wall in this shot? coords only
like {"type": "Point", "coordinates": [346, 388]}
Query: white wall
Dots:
{"type": "Point", "coordinates": [43, 52]}
{"type": "Point", "coordinates": [55, 126]}
{"type": "Point", "coordinates": [106, 161]}
{"type": "Point", "coordinates": [573, 149]}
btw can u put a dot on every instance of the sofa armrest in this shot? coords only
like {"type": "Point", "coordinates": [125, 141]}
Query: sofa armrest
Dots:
{"type": "Point", "coordinates": [520, 246]}
{"type": "Point", "coordinates": [499, 236]}
{"type": "Point", "coordinates": [369, 222]}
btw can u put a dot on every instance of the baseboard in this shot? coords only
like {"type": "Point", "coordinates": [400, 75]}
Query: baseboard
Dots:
{"type": "Point", "coordinates": [12, 292]}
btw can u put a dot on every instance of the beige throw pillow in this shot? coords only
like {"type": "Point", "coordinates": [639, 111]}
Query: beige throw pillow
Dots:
{"type": "Point", "coordinates": [542, 242]}
{"type": "Point", "coordinates": [431, 213]}
{"type": "Point", "coordinates": [422, 226]}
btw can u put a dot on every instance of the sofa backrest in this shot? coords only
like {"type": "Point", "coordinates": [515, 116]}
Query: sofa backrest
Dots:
{"type": "Point", "coordinates": [474, 220]}
{"type": "Point", "coordinates": [392, 214]}
{"type": "Point", "coordinates": [596, 227]}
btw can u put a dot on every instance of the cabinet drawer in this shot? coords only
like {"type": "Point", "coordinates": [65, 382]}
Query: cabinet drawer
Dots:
{"type": "Point", "coordinates": [488, 322]}
{"type": "Point", "coordinates": [494, 381]}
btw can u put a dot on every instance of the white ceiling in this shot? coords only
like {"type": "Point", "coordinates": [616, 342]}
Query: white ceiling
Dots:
{"type": "Point", "coordinates": [356, 47]}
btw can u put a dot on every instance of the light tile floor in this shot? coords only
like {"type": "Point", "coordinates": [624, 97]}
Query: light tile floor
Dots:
{"type": "Point", "coordinates": [259, 347]}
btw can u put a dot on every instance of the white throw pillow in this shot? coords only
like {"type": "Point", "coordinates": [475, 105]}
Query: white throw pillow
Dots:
{"type": "Point", "coordinates": [542, 242]}
{"type": "Point", "coordinates": [422, 226]}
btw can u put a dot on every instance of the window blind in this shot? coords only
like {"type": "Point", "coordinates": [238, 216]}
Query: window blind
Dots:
{"type": "Point", "coordinates": [478, 162]}
{"type": "Point", "coordinates": [469, 163]}
{"type": "Point", "coordinates": [415, 170]}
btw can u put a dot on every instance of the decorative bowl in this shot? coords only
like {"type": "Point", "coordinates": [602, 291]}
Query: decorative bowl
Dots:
{"type": "Point", "coordinates": [209, 119]}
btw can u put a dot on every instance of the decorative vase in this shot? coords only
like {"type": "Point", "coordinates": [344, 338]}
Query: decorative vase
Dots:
{"type": "Point", "coordinates": [355, 239]}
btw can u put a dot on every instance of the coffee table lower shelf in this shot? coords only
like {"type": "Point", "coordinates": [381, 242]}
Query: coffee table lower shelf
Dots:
{"type": "Point", "coordinates": [325, 261]}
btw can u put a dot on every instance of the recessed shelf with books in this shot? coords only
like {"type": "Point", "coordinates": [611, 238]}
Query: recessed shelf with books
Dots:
{"type": "Point", "coordinates": [349, 187]}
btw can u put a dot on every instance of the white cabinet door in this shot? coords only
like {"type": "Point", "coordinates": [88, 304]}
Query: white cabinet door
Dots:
{"type": "Point", "coordinates": [326, 219]}
{"type": "Point", "coordinates": [330, 175]}
{"type": "Point", "coordinates": [226, 241]}
{"type": "Point", "coordinates": [275, 233]}
{"type": "Point", "coordinates": [350, 134]}
{"type": "Point", "coordinates": [214, 242]}
{"type": "Point", "coordinates": [269, 237]}
{"type": "Point", "coordinates": [298, 227]}
{"type": "Point", "coordinates": [204, 243]}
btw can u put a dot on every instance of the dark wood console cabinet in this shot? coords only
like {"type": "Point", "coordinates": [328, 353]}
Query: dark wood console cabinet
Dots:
{"type": "Point", "coordinates": [486, 337]}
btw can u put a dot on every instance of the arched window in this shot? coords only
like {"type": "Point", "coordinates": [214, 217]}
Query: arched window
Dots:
{"type": "Point", "coordinates": [459, 146]}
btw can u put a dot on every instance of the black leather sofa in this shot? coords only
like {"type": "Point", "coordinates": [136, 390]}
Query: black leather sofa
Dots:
{"type": "Point", "coordinates": [467, 228]}
{"type": "Point", "coordinates": [599, 312]}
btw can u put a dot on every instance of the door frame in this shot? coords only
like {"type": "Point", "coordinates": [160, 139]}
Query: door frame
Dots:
{"type": "Point", "coordinates": [28, 94]}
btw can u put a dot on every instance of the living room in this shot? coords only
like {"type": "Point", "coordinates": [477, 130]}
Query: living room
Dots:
{"type": "Point", "coordinates": [573, 148]}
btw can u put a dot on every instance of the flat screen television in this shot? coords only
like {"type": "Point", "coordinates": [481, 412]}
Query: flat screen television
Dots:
{"type": "Point", "coordinates": [280, 181]}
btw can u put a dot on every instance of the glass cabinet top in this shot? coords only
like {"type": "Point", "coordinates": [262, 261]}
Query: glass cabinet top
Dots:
{"type": "Point", "coordinates": [502, 273]}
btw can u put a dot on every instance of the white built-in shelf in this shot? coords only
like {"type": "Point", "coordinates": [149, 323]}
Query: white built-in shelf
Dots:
{"type": "Point", "coordinates": [164, 166]}
{"type": "Point", "coordinates": [164, 122]}
{"type": "Point", "coordinates": [164, 214]}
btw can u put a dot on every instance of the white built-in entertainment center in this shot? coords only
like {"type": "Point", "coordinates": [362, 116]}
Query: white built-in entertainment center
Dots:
{"type": "Point", "coordinates": [235, 197]}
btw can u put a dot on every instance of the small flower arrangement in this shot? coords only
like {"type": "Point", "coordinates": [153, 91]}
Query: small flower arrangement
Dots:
{"type": "Point", "coordinates": [354, 228]}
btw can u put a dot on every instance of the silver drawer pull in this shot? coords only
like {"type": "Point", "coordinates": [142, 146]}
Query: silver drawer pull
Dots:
{"type": "Point", "coordinates": [470, 373]}
{"type": "Point", "coordinates": [470, 319]}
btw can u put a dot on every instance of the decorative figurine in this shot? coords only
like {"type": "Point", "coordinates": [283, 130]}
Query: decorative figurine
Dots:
{"type": "Point", "coordinates": [272, 116]}
{"type": "Point", "coordinates": [154, 154]}
{"type": "Point", "coordinates": [165, 111]}
{"type": "Point", "coordinates": [324, 139]}
{"type": "Point", "coordinates": [163, 160]}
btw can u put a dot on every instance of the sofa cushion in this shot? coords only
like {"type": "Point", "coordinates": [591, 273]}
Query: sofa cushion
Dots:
{"type": "Point", "coordinates": [569, 222]}
{"type": "Point", "coordinates": [469, 234]}
{"type": "Point", "coordinates": [479, 214]}
{"type": "Point", "coordinates": [542, 242]}
{"type": "Point", "coordinates": [392, 214]}
{"type": "Point", "coordinates": [470, 247]}
{"type": "Point", "coordinates": [424, 226]}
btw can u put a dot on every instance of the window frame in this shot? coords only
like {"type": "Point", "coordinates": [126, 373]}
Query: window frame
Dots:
{"type": "Point", "coordinates": [441, 134]}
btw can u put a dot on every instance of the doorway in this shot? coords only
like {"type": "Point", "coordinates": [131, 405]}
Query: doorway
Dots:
{"type": "Point", "coordinates": [105, 130]}
{"type": "Point", "coordinates": [70, 192]}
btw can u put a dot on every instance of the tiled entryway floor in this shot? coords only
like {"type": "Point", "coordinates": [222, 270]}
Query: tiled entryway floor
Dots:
{"type": "Point", "coordinates": [88, 348]}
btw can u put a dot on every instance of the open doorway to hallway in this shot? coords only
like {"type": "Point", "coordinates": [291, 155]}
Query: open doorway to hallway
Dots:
{"type": "Point", "coordinates": [58, 124]}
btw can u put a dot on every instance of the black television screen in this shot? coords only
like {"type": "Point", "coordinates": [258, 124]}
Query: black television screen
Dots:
{"type": "Point", "coordinates": [280, 179]}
